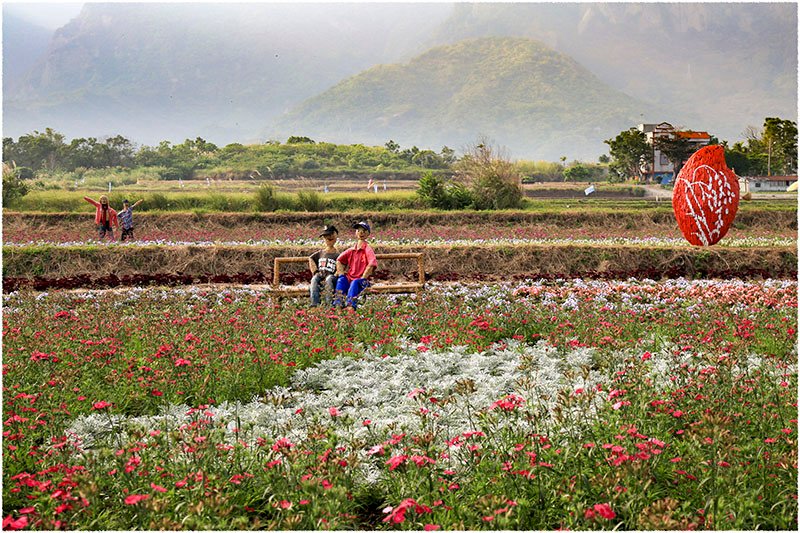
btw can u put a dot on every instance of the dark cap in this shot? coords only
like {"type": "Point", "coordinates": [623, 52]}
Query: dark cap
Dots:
{"type": "Point", "coordinates": [363, 225]}
{"type": "Point", "coordinates": [125, 201]}
{"type": "Point", "coordinates": [328, 230]}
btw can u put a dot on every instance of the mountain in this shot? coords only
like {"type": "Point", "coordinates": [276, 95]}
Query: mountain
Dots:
{"type": "Point", "coordinates": [518, 92]}
{"type": "Point", "coordinates": [719, 66]}
{"type": "Point", "coordinates": [229, 71]}
{"type": "Point", "coordinates": [222, 71]}
{"type": "Point", "coordinates": [23, 45]}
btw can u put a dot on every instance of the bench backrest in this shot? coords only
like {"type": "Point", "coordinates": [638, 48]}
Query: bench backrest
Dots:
{"type": "Point", "coordinates": [276, 276]}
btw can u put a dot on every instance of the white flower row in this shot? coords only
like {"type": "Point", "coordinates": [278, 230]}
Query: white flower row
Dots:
{"type": "Point", "coordinates": [746, 242]}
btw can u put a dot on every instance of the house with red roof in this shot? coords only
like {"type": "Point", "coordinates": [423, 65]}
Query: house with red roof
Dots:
{"type": "Point", "coordinates": [659, 167]}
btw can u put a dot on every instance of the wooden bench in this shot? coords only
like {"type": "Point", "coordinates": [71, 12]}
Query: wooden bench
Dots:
{"type": "Point", "coordinates": [387, 288]}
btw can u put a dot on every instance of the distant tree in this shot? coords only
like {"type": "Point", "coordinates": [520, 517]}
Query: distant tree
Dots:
{"type": "Point", "coordinates": [36, 150]}
{"type": "Point", "coordinates": [676, 149]}
{"type": "Point", "coordinates": [494, 181]}
{"type": "Point", "coordinates": [299, 140]}
{"type": "Point", "coordinates": [577, 172]}
{"type": "Point", "coordinates": [448, 155]}
{"type": "Point", "coordinates": [392, 146]}
{"type": "Point", "coordinates": [604, 159]}
{"type": "Point", "coordinates": [780, 139]}
{"type": "Point", "coordinates": [428, 159]}
{"type": "Point", "coordinates": [629, 153]}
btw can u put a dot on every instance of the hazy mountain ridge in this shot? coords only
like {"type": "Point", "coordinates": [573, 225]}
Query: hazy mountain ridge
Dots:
{"type": "Point", "coordinates": [520, 93]}
{"type": "Point", "coordinates": [227, 72]}
{"type": "Point", "coordinates": [702, 60]}
{"type": "Point", "coordinates": [222, 71]}
{"type": "Point", "coordinates": [24, 44]}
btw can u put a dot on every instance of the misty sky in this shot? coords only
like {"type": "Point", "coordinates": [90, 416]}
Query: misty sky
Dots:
{"type": "Point", "coordinates": [50, 15]}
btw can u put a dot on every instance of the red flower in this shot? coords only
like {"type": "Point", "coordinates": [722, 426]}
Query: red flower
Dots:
{"type": "Point", "coordinates": [157, 488]}
{"type": "Point", "coordinates": [333, 411]}
{"type": "Point", "coordinates": [396, 461]}
{"type": "Point", "coordinates": [101, 405]}
{"type": "Point", "coordinates": [432, 527]}
{"type": "Point", "coordinates": [508, 403]}
{"type": "Point", "coordinates": [285, 504]}
{"type": "Point", "coordinates": [603, 509]}
{"type": "Point", "coordinates": [19, 523]}
{"type": "Point", "coordinates": [133, 499]}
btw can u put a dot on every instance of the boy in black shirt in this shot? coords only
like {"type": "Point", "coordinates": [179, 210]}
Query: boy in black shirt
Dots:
{"type": "Point", "coordinates": [323, 267]}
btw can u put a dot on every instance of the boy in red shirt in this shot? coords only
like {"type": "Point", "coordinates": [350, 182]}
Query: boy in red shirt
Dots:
{"type": "Point", "coordinates": [354, 268]}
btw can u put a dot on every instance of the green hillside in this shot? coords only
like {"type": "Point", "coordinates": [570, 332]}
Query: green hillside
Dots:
{"type": "Point", "coordinates": [519, 92]}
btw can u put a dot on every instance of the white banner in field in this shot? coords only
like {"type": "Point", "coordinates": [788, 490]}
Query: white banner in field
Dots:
{"type": "Point", "coordinates": [588, 190]}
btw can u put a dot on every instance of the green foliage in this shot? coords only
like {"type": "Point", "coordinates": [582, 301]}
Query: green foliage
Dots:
{"type": "Point", "coordinates": [676, 149]}
{"type": "Point", "coordinates": [299, 140]}
{"type": "Point", "coordinates": [577, 172]}
{"type": "Point", "coordinates": [629, 152]}
{"type": "Point", "coordinates": [493, 180]}
{"type": "Point", "coordinates": [771, 150]}
{"type": "Point", "coordinates": [537, 171]}
{"type": "Point", "coordinates": [438, 193]}
{"type": "Point", "coordinates": [310, 201]}
{"type": "Point", "coordinates": [269, 199]}
{"type": "Point", "coordinates": [13, 187]}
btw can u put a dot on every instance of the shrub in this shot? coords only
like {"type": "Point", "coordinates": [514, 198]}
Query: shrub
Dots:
{"type": "Point", "coordinates": [310, 201]}
{"type": "Point", "coordinates": [158, 202]}
{"type": "Point", "coordinates": [268, 199]}
{"type": "Point", "coordinates": [13, 188]}
{"type": "Point", "coordinates": [495, 182]}
{"type": "Point", "coordinates": [443, 194]}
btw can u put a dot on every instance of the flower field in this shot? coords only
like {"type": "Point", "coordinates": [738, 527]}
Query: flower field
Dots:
{"type": "Point", "coordinates": [72, 234]}
{"type": "Point", "coordinates": [581, 404]}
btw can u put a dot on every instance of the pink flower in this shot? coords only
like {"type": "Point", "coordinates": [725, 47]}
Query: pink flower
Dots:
{"type": "Point", "coordinates": [334, 412]}
{"type": "Point", "coordinates": [157, 488]}
{"type": "Point", "coordinates": [646, 356]}
{"type": "Point", "coordinates": [101, 405]}
{"type": "Point", "coordinates": [133, 499]}
{"type": "Point", "coordinates": [677, 413]}
{"type": "Point", "coordinates": [19, 523]}
{"type": "Point", "coordinates": [180, 361]}
{"type": "Point", "coordinates": [285, 504]}
{"type": "Point", "coordinates": [603, 509]}
{"type": "Point", "coordinates": [431, 527]}
{"type": "Point", "coordinates": [510, 402]}
{"type": "Point", "coordinates": [396, 461]}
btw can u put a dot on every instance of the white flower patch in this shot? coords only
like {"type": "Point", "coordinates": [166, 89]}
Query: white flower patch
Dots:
{"type": "Point", "coordinates": [377, 389]}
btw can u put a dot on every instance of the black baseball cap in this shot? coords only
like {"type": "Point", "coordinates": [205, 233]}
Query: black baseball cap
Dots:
{"type": "Point", "coordinates": [363, 225]}
{"type": "Point", "coordinates": [125, 201]}
{"type": "Point", "coordinates": [328, 230]}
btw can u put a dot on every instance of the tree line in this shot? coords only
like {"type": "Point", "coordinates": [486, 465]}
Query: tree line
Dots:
{"type": "Point", "coordinates": [49, 152]}
{"type": "Point", "coordinates": [770, 150]}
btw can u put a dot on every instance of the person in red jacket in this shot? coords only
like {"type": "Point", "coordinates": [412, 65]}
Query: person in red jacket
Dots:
{"type": "Point", "coordinates": [104, 217]}
{"type": "Point", "coordinates": [354, 267]}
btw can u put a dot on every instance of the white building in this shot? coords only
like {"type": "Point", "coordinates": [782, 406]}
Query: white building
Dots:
{"type": "Point", "coordinates": [659, 168]}
{"type": "Point", "coordinates": [770, 183]}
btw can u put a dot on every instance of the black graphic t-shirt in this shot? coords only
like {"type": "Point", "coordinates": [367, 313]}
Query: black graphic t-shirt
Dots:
{"type": "Point", "coordinates": [326, 261]}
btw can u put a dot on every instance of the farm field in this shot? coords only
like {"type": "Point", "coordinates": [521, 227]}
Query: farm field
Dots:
{"type": "Point", "coordinates": [534, 405]}
{"type": "Point", "coordinates": [575, 367]}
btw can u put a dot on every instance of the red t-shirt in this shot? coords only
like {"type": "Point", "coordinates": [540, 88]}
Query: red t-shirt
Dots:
{"type": "Point", "coordinates": [357, 260]}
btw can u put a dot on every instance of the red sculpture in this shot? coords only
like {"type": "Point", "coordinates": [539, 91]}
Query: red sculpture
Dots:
{"type": "Point", "coordinates": [705, 197]}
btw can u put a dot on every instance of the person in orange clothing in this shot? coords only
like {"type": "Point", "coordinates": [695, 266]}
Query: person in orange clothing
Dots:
{"type": "Point", "coordinates": [354, 267]}
{"type": "Point", "coordinates": [104, 217]}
